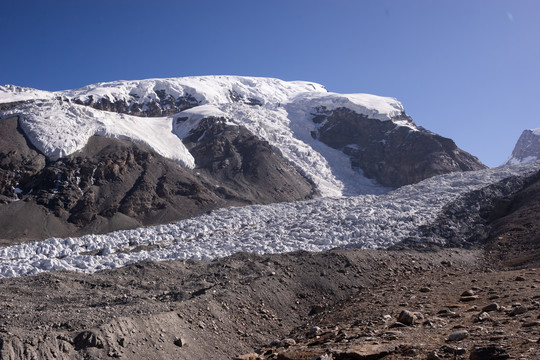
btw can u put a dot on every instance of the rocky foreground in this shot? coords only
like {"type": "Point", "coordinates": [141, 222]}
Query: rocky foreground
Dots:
{"type": "Point", "coordinates": [440, 314]}
{"type": "Point", "coordinates": [341, 304]}
{"type": "Point", "coordinates": [478, 303]}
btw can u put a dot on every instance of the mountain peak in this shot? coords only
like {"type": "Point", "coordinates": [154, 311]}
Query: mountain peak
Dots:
{"type": "Point", "coordinates": [527, 148]}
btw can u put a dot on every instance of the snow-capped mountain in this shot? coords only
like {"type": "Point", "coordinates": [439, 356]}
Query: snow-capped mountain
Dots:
{"type": "Point", "coordinates": [63, 122]}
{"type": "Point", "coordinates": [103, 157]}
{"type": "Point", "coordinates": [527, 148]}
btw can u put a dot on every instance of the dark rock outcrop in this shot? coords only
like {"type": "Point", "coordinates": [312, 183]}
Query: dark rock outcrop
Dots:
{"type": "Point", "coordinates": [165, 105]}
{"type": "Point", "coordinates": [394, 155]}
{"type": "Point", "coordinates": [241, 164]}
{"type": "Point", "coordinates": [514, 236]}
{"type": "Point", "coordinates": [19, 162]}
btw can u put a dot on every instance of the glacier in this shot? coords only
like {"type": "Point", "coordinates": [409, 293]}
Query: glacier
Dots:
{"type": "Point", "coordinates": [363, 221]}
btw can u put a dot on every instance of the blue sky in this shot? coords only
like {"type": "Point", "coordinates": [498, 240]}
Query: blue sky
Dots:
{"type": "Point", "coordinates": [468, 70]}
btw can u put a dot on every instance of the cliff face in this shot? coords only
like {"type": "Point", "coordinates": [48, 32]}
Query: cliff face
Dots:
{"type": "Point", "coordinates": [393, 154]}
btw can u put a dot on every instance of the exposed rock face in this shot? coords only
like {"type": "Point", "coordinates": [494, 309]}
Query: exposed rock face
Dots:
{"type": "Point", "coordinates": [394, 155]}
{"type": "Point", "coordinates": [165, 105]}
{"type": "Point", "coordinates": [114, 184]}
{"type": "Point", "coordinates": [243, 165]}
{"type": "Point", "coordinates": [527, 148]}
{"type": "Point", "coordinates": [514, 237]}
{"type": "Point", "coordinates": [18, 161]}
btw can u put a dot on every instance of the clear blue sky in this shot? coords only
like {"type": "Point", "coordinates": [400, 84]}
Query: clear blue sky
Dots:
{"type": "Point", "coordinates": [466, 69]}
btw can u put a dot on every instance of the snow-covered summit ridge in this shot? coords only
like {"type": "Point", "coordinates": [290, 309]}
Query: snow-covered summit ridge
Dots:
{"type": "Point", "coordinates": [276, 111]}
{"type": "Point", "coordinates": [205, 89]}
{"type": "Point", "coordinates": [13, 93]}
{"type": "Point", "coordinates": [216, 90]}
{"type": "Point", "coordinates": [527, 148]}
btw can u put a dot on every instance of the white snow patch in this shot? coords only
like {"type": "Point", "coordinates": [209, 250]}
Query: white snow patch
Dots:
{"type": "Point", "coordinates": [59, 128]}
{"type": "Point", "coordinates": [13, 93]}
{"type": "Point", "coordinates": [366, 221]}
{"type": "Point", "coordinates": [373, 106]}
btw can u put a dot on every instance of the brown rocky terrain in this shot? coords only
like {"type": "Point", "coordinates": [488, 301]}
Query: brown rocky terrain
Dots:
{"type": "Point", "coordinates": [393, 155]}
{"type": "Point", "coordinates": [337, 304]}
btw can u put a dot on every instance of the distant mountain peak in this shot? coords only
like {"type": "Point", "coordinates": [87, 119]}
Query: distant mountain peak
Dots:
{"type": "Point", "coordinates": [527, 148]}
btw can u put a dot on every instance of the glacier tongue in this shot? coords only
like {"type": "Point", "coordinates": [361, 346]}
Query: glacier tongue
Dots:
{"type": "Point", "coordinates": [365, 221]}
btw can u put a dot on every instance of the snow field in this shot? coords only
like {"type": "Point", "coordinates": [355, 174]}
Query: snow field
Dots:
{"type": "Point", "coordinates": [58, 128]}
